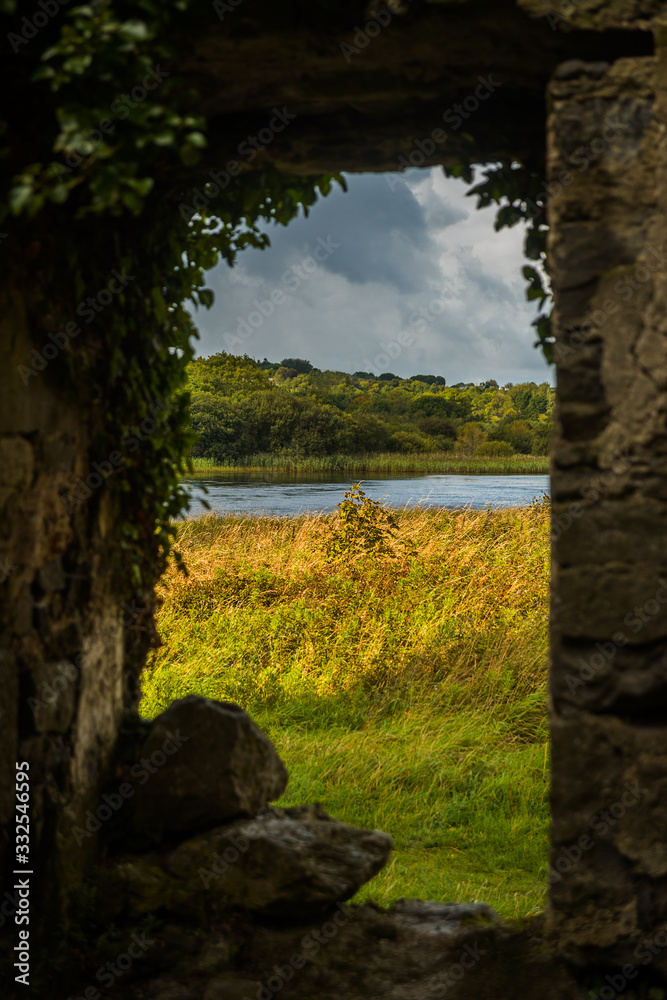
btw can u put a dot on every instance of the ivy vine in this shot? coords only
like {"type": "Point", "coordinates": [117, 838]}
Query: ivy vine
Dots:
{"type": "Point", "coordinates": [112, 135]}
{"type": "Point", "coordinates": [522, 195]}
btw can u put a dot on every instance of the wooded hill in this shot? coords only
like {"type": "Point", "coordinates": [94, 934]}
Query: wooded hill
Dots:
{"type": "Point", "coordinates": [241, 407]}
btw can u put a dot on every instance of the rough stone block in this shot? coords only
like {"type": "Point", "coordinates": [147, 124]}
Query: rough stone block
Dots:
{"type": "Point", "coordinates": [594, 601]}
{"type": "Point", "coordinates": [292, 861]}
{"type": "Point", "coordinates": [208, 763]}
{"type": "Point", "coordinates": [609, 814]}
{"type": "Point", "coordinates": [285, 862]}
{"type": "Point", "coordinates": [610, 676]}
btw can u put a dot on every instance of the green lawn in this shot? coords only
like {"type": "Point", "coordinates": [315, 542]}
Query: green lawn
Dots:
{"type": "Point", "coordinates": [405, 694]}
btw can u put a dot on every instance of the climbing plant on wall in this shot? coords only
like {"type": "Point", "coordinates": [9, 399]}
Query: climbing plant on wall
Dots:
{"type": "Point", "coordinates": [522, 196]}
{"type": "Point", "coordinates": [92, 185]}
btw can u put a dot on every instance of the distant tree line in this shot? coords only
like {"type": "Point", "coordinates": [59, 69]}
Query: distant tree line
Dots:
{"type": "Point", "coordinates": [241, 407]}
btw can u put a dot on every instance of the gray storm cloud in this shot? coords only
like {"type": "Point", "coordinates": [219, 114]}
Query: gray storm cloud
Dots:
{"type": "Point", "coordinates": [401, 272]}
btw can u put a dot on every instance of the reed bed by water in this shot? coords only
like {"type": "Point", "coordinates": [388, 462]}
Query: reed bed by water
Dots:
{"type": "Point", "coordinates": [404, 693]}
{"type": "Point", "coordinates": [428, 463]}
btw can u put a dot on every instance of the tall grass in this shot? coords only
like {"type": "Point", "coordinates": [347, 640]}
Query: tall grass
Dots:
{"type": "Point", "coordinates": [428, 463]}
{"type": "Point", "coordinates": [405, 694]}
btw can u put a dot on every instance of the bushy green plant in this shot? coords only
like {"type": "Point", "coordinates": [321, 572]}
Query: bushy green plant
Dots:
{"type": "Point", "coordinates": [364, 527]}
{"type": "Point", "coordinates": [495, 449]}
{"type": "Point", "coordinates": [470, 439]}
{"type": "Point", "coordinates": [412, 442]}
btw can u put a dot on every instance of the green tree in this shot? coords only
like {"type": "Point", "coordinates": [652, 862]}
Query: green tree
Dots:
{"type": "Point", "coordinates": [300, 365]}
{"type": "Point", "coordinates": [470, 439]}
{"type": "Point", "coordinates": [218, 425]}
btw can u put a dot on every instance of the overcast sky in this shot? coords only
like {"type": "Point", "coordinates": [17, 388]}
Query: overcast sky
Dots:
{"type": "Point", "coordinates": [348, 284]}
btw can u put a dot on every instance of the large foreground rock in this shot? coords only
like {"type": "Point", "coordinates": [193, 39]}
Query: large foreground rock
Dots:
{"type": "Point", "coordinates": [205, 762]}
{"type": "Point", "coordinates": [286, 861]}
{"type": "Point", "coordinates": [293, 863]}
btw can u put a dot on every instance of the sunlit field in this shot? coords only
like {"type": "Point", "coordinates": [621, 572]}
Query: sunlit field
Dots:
{"type": "Point", "coordinates": [404, 692]}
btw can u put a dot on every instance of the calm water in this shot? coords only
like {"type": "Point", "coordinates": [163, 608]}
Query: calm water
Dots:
{"type": "Point", "coordinates": [245, 494]}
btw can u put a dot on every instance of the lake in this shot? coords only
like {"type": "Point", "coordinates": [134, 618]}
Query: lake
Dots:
{"type": "Point", "coordinates": [283, 495]}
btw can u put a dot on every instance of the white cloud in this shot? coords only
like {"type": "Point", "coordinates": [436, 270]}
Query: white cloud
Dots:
{"type": "Point", "coordinates": [417, 243]}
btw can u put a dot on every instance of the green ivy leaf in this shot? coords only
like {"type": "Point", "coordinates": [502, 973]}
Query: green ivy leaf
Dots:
{"type": "Point", "coordinates": [165, 138]}
{"type": "Point", "coordinates": [134, 30]}
{"type": "Point", "coordinates": [19, 197]}
{"type": "Point", "coordinates": [142, 185]}
{"type": "Point", "coordinates": [535, 288]}
{"type": "Point", "coordinates": [132, 201]}
{"type": "Point", "coordinates": [197, 139]}
{"type": "Point", "coordinates": [77, 64]}
{"type": "Point", "coordinates": [546, 339]}
{"type": "Point", "coordinates": [59, 193]}
{"type": "Point", "coordinates": [43, 73]}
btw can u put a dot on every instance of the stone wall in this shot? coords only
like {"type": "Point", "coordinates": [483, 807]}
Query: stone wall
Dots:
{"type": "Point", "coordinates": [362, 97]}
{"type": "Point", "coordinates": [609, 623]}
{"type": "Point", "coordinates": [64, 676]}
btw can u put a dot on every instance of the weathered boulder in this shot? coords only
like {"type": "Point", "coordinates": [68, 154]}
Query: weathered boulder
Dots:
{"type": "Point", "coordinates": [203, 763]}
{"type": "Point", "coordinates": [293, 863]}
{"type": "Point", "coordinates": [285, 861]}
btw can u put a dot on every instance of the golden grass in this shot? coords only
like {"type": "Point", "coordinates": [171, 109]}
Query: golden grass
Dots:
{"type": "Point", "coordinates": [406, 694]}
